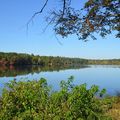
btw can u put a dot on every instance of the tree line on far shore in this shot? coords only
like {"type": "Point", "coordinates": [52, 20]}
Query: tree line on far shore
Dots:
{"type": "Point", "coordinates": [16, 59]}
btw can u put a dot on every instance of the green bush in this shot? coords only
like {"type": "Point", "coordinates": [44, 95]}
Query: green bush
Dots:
{"type": "Point", "coordinates": [35, 100]}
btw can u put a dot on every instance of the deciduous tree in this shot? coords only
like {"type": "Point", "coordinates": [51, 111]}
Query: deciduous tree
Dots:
{"type": "Point", "coordinates": [97, 16]}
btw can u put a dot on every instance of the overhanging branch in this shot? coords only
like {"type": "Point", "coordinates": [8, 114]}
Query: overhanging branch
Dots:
{"type": "Point", "coordinates": [36, 13]}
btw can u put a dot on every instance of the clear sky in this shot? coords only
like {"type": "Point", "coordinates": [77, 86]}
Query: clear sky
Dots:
{"type": "Point", "coordinates": [14, 15]}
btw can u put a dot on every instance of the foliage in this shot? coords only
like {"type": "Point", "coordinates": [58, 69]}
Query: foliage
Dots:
{"type": "Point", "coordinates": [14, 59]}
{"type": "Point", "coordinates": [35, 100]}
{"type": "Point", "coordinates": [103, 16]}
{"type": "Point", "coordinates": [105, 62]}
{"type": "Point", "coordinates": [26, 59]}
{"type": "Point", "coordinates": [114, 111]}
{"type": "Point", "coordinates": [96, 16]}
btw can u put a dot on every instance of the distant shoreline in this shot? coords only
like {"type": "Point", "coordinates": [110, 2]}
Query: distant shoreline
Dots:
{"type": "Point", "coordinates": [20, 59]}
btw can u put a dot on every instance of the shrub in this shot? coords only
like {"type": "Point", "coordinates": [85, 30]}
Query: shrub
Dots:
{"type": "Point", "coordinates": [35, 100]}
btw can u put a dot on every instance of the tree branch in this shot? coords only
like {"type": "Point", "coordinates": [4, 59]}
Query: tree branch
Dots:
{"type": "Point", "coordinates": [36, 13]}
{"type": "Point", "coordinates": [64, 7]}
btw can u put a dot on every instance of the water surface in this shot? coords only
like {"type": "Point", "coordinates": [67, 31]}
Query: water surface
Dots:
{"type": "Point", "coordinates": [105, 76]}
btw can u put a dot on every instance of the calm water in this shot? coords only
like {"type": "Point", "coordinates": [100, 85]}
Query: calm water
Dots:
{"type": "Point", "coordinates": [107, 76]}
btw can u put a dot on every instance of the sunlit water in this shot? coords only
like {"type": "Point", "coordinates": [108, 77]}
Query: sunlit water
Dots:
{"type": "Point", "coordinates": [107, 76]}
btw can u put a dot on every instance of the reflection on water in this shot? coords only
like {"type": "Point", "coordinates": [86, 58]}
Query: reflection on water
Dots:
{"type": "Point", "coordinates": [107, 76]}
{"type": "Point", "coordinates": [106, 66]}
{"type": "Point", "coordinates": [23, 70]}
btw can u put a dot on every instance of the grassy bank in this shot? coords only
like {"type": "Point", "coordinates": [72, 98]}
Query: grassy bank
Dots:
{"type": "Point", "coordinates": [114, 112]}
{"type": "Point", "coordinates": [35, 100]}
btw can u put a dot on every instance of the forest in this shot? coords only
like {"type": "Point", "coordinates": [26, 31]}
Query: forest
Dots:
{"type": "Point", "coordinates": [19, 59]}
{"type": "Point", "coordinates": [26, 59]}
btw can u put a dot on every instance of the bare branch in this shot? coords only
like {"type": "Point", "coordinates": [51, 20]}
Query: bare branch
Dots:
{"type": "Point", "coordinates": [58, 40]}
{"type": "Point", "coordinates": [64, 7]}
{"type": "Point", "coordinates": [36, 13]}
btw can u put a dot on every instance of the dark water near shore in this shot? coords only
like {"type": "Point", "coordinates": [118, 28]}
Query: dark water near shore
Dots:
{"type": "Point", "coordinates": [105, 76]}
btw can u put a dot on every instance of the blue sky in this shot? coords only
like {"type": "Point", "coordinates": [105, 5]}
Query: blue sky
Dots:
{"type": "Point", "coordinates": [14, 15]}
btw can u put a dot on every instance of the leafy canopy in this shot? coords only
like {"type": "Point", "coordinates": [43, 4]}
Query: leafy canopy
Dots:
{"type": "Point", "coordinates": [97, 16]}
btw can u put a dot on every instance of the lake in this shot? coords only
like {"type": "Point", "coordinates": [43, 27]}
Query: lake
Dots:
{"type": "Point", "coordinates": [105, 76]}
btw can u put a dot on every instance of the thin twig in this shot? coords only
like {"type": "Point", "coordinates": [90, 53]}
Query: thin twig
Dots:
{"type": "Point", "coordinates": [58, 40]}
{"type": "Point", "coordinates": [36, 13]}
{"type": "Point", "coordinates": [64, 7]}
{"type": "Point", "coordinates": [48, 24]}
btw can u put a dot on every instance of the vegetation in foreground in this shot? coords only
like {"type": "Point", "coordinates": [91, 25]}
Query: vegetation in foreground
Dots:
{"type": "Point", "coordinates": [114, 112]}
{"type": "Point", "coordinates": [35, 100]}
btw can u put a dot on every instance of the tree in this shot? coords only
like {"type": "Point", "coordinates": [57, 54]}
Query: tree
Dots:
{"type": "Point", "coordinates": [97, 16]}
